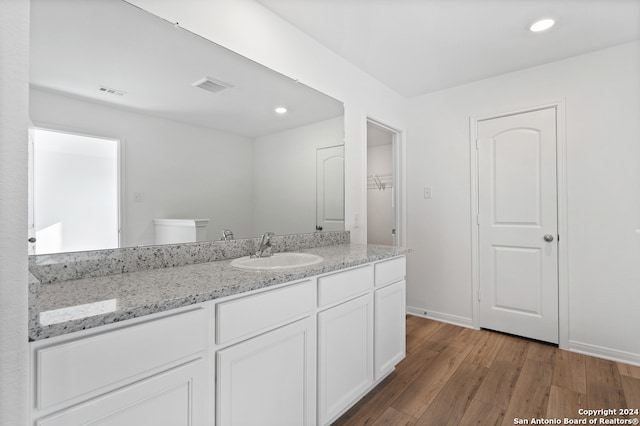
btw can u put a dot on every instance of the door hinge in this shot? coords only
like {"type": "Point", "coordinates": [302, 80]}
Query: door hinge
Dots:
{"type": "Point", "coordinates": [558, 237]}
{"type": "Point", "coordinates": [479, 295]}
{"type": "Point", "coordinates": [477, 219]}
{"type": "Point", "coordinates": [476, 143]}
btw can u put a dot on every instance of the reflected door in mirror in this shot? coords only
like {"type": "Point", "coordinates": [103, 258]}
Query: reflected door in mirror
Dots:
{"type": "Point", "coordinates": [330, 188]}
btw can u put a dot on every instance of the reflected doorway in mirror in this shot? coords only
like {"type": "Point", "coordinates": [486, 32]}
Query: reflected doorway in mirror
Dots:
{"type": "Point", "coordinates": [74, 204]}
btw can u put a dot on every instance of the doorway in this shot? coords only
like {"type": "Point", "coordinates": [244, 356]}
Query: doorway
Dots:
{"type": "Point", "coordinates": [382, 185]}
{"type": "Point", "coordinates": [517, 223]}
{"type": "Point", "coordinates": [74, 202]}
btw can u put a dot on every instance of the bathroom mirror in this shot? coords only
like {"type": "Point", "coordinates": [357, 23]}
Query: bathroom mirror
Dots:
{"type": "Point", "coordinates": [189, 130]}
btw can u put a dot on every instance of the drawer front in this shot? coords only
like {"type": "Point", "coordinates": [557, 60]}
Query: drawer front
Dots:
{"type": "Point", "coordinates": [342, 285]}
{"type": "Point", "coordinates": [71, 369]}
{"type": "Point", "coordinates": [251, 315]}
{"type": "Point", "coordinates": [389, 271]}
{"type": "Point", "coordinates": [173, 398]}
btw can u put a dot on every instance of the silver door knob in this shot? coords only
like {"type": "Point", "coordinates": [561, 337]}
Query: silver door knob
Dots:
{"type": "Point", "coordinates": [548, 238]}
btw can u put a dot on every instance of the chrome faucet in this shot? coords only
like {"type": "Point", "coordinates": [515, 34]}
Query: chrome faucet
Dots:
{"type": "Point", "coordinates": [227, 235]}
{"type": "Point", "coordinates": [265, 245]}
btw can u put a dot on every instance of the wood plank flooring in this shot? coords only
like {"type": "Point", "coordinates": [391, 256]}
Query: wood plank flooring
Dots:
{"type": "Point", "coordinates": [457, 376]}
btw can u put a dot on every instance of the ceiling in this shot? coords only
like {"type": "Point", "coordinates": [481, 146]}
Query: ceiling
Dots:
{"type": "Point", "coordinates": [422, 46]}
{"type": "Point", "coordinates": [79, 45]}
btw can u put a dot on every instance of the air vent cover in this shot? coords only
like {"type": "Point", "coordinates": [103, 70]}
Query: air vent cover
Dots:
{"type": "Point", "coordinates": [212, 85]}
{"type": "Point", "coordinates": [111, 91]}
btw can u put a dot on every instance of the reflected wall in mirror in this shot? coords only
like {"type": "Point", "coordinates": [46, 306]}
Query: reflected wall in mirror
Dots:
{"type": "Point", "coordinates": [106, 69]}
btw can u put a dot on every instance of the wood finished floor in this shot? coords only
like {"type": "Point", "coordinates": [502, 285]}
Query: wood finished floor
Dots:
{"type": "Point", "coordinates": [458, 376]}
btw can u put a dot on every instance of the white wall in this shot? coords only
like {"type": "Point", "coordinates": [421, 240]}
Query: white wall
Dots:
{"type": "Point", "coordinates": [285, 176]}
{"type": "Point", "coordinates": [379, 202]}
{"type": "Point", "coordinates": [14, 80]}
{"type": "Point", "coordinates": [182, 171]}
{"type": "Point", "coordinates": [250, 29]}
{"type": "Point", "coordinates": [602, 93]}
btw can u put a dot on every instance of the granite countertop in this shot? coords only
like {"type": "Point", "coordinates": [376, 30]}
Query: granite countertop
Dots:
{"type": "Point", "coordinates": [63, 307]}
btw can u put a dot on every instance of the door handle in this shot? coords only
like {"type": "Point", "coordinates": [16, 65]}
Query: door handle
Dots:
{"type": "Point", "coordinates": [548, 238]}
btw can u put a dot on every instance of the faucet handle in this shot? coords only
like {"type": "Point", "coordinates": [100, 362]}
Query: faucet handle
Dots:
{"type": "Point", "coordinates": [266, 237]}
{"type": "Point", "coordinates": [227, 235]}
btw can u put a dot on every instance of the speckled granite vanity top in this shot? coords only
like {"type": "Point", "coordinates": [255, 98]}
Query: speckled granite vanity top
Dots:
{"type": "Point", "coordinates": [62, 307]}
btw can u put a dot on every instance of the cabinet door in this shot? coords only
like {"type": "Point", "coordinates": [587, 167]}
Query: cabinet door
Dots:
{"type": "Point", "coordinates": [345, 355]}
{"type": "Point", "coordinates": [389, 327]}
{"type": "Point", "coordinates": [269, 380]}
{"type": "Point", "coordinates": [173, 398]}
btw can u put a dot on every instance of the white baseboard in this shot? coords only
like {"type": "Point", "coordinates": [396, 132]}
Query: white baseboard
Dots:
{"type": "Point", "coordinates": [439, 316]}
{"type": "Point", "coordinates": [606, 353]}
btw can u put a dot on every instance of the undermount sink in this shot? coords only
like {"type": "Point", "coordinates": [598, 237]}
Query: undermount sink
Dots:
{"type": "Point", "coordinates": [277, 261]}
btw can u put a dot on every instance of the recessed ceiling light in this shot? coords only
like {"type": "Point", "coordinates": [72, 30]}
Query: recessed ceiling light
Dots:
{"type": "Point", "coordinates": [281, 110]}
{"type": "Point", "coordinates": [542, 25]}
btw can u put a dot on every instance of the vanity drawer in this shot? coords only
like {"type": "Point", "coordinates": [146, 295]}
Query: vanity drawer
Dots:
{"type": "Point", "coordinates": [342, 285]}
{"type": "Point", "coordinates": [250, 315]}
{"type": "Point", "coordinates": [77, 367]}
{"type": "Point", "coordinates": [390, 271]}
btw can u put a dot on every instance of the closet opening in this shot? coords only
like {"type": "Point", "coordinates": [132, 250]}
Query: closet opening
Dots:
{"type": "Point", "coordinates": [383, 206]}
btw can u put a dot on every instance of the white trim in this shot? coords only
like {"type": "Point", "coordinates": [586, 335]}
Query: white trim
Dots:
{"type": "Point", "coordinates": [563, 243]}
{"type": "Point", "coordinates": [563, 226]}
{"type": "Point", "coordinates": [439, 316]}
{"type": "Point", "coordinates": [606, 353]}
{"type": "Point", "coordinates": [121, 192]}
{"type": "Point", "coordinates": [399, 178]}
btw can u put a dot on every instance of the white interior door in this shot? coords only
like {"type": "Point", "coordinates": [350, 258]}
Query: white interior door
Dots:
{"type": "Point", "coordinates": [330, 188]}
{"type": "Point", "coordinates": [518, 224]}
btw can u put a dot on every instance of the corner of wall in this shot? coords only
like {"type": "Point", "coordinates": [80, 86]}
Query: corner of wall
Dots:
{"type": "Point", "coordinates": [14, 115]}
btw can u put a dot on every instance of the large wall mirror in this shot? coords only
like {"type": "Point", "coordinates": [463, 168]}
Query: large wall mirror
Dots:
{"type": "Point", "coordinates": [137, 121]}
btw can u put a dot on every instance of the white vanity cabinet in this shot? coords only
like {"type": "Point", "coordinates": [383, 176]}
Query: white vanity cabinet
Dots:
{"type": "Point", "coordinates": [345, 355]}
{"type": "Point", "coordinates": [390, 309]}
{"type": "Point", "coordinates": [345, 339]}
{"type": "Point", "coordinates": [268, 377]}
{"type": "Point", "coordinates": [299, 353]}
{"type": "Point", "coordinates": [361, 332]}
{"type": "Point", "coordinates": [148, 371]}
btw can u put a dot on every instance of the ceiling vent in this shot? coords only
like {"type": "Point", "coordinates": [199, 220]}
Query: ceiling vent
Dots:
{"type": "Point", "coordinates": [212, 85]}
{"type": "Point", "coordinates": [111, 91]}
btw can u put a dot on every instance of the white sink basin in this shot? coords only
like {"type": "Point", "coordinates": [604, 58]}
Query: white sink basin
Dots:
{"type": "Point", "coordinates": [277, 261]}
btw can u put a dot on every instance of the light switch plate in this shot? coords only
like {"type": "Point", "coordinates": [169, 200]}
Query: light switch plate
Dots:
{"type": "Point", "coordinates": [427, 192]}
{"type": "Point", "coordinates": [138, 197]}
